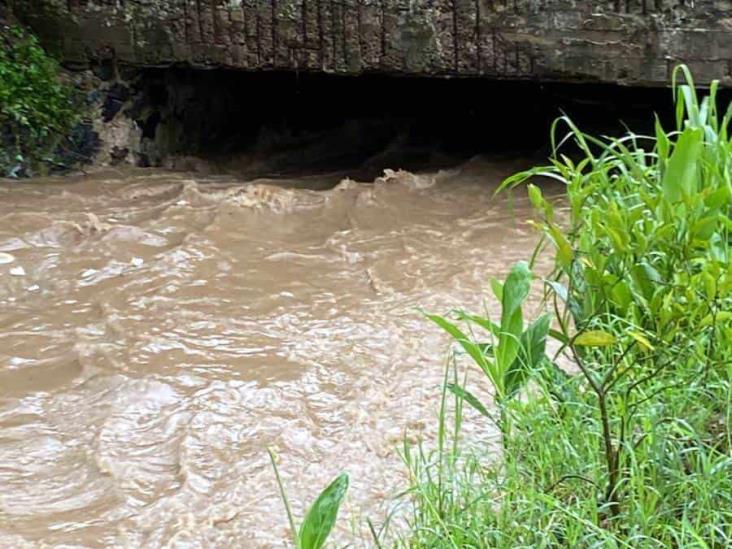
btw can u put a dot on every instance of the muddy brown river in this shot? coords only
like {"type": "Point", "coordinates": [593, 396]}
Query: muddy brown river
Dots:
{"type": "Point", "coordinates": [160, 330]}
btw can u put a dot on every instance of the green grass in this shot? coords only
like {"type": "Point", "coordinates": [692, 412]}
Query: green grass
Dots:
{"type": "Point", "coordinates": [631, 449]}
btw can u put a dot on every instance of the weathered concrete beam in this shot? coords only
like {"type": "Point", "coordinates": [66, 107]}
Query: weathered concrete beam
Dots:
{"type": "Point", "coordinates": [622, 41]}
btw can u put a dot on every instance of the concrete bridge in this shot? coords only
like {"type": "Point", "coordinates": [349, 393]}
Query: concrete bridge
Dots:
{"type": "Point", "coordinates": [633, 42]}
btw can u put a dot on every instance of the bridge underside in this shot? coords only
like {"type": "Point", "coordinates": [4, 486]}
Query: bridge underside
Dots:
{"type": "Point", "coordinates": [632, 42]}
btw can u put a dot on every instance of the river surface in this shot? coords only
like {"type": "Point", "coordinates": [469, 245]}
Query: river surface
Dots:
{"type": "Point", "coordinates": [160, 330]}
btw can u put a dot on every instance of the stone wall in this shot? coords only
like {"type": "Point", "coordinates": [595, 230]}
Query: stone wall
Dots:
{"type": "Point", "coordinates": [624, 41]}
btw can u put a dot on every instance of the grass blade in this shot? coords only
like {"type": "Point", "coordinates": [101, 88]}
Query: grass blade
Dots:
{"type": "Point", "coordinates": [290, 517]}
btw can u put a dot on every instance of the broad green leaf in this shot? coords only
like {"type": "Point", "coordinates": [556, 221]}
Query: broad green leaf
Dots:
{"type": "Point", "coordinates": [564, 248]}
{"type": "Point", "coordinates": [473, 349]}
{"type": "Point", "coordinates": [718, 199]}
{"type": "Point", "coordinates": [726, 221]}
{"type": "Point", "coordinates": [468, 397]}
{"type": "Point", "coordinates": [321, 518]}
{"type": "Point", "coordinates": [497, 287]}
{"type": "Point", "coordinates": [559, 336]}
{"type": "Point", "coordinates": [515, 291]}
{"type": "Point", "coordinates": [710, 285]}
{"type": "Point", "coordinates": [559, 289]}
{"type": "Point", "coordinates": [704, 228]}
{"type": "Point", "coordinates": [533, 340]}
{"type": "Point", "coordinates": [595, 338]}
{"type": "Point", "coordinates": [532, 351]}
{"type": "Point", "coordinates": [646, 279]}
{"type": "Point", "coordinates": [621, 294]}
{"type": "Point", "coordinates": [721, 316]}
{"type": "Point", "coordinates": [535, 196]}
{"type": "Point", "coordinates": [679, 181]}
{"type": "Point", "coordinates": [617, 239]}
{"type": "Point", "coordinates": [642, 340]}
{"type": "Point", "coordinates": [461, 337]}
{"type": "Point", "coordinates": [484, 323]}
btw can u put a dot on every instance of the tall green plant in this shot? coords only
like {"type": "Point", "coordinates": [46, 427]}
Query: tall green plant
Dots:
{"type": "Point", "coordinates": [642, 285]}
{"type": "Point", "coordinates": [631, 446]}
{"type": "Point", "coordinates": [515, 350]}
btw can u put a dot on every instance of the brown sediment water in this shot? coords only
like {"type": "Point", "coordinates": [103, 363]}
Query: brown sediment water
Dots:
{"type": "Point", "coordinates": [160, 330]}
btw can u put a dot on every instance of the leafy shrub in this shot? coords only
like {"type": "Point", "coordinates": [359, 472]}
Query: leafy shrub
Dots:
{"type": "Point", "coordinates": [514, 352]}
{"type": "Point", "coordinates": [36, 109]}
{"type": "Point", "coordinates": [632, 450]}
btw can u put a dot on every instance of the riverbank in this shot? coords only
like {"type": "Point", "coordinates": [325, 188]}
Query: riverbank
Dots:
{"type": "Point", "coordinates": [631, 446]}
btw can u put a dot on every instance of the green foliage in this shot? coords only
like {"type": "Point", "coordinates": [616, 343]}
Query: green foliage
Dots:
{"type": "Point", "coordinates": [320, 519]}
{"type": "Point", "coordinates": [36, 108]}
{"type": "Point", "coordinates": [631, 449]}
{"type": "Point", "coordinates": [515, 351]}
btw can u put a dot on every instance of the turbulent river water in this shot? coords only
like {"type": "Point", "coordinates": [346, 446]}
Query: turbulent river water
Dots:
{"type": "Point", "coordinates": [160, 330]}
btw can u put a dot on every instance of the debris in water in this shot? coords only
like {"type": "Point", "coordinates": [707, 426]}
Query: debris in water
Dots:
{"type": "Point", "coordinates": [6, 258]}
{"type": "Point", "coordinates": [17, 271]}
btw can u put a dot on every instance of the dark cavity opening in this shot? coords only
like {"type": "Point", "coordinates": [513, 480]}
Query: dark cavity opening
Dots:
{"type": "Point", "coordinates": [279, 123]}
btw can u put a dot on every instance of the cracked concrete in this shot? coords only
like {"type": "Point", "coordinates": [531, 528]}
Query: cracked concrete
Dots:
{"type": "Point", "coordinates": [634, 42]}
